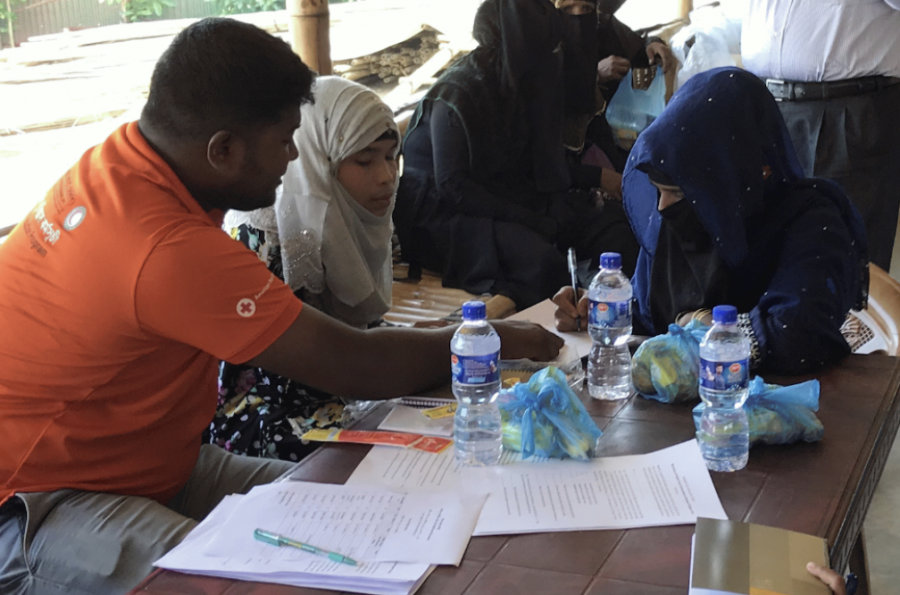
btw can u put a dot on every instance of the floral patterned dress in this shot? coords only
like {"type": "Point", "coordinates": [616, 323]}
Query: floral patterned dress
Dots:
{"type": "Point", "coordinates": [260, 413]}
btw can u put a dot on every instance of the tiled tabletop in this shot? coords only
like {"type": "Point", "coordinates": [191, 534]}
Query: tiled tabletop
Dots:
{"type": "Point", "coordinates": [822, 488]}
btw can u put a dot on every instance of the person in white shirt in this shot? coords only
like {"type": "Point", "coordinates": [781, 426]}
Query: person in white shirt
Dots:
{"type": "Point", "coordinates": [834, 67]}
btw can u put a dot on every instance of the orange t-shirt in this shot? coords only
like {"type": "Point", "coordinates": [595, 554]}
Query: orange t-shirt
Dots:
{"type": "Point", "coordinates": [118, 296]}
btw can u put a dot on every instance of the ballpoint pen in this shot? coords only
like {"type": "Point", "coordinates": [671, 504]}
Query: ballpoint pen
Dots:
{"type": "Point", "coordinates": [852, 583]}
{"type": "Point", "coordinates": [279, 540]}
{"type": "Point", "coordinates": [572, 265]}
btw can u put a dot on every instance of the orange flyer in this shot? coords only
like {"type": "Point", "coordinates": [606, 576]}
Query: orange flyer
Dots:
{"type": "Point", "coordinates": [430, 444]}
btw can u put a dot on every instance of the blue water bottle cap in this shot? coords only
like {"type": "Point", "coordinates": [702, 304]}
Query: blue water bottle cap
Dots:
{"type": "Point", "coordinates": [724, 314]}
{"type": "Point", "coordinates": [610, 260]}
{"type": "Point", "coordinates": [474, 310]}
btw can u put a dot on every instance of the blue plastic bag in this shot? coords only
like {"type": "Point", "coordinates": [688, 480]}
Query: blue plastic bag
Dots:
{"type": "Point", "coordinates": [635, 109]}
{"type": "Point", "coordinates": [780, 414]}
{"type": "Point", "coordinates": [544, 417]}
{"type": "Point", "coordinates": [666, 368]}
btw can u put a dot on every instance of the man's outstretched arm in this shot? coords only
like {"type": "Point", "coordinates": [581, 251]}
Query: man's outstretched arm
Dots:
{"type": "Point", "coordinates": [383, 362]}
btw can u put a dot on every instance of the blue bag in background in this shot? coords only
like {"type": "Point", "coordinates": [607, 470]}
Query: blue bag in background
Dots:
{"type": "Point", "coordinates": [780, 414]}
{"type": "Point", "coordinates": [635, 109]}
{"type": "Point", "coordinates": [544, 417]}
{"type": "Point", "coordinates": [666, 367]}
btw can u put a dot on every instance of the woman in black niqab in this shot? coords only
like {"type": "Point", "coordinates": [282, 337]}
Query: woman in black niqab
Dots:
{"type": "Point", "coordinates": [487, 197]}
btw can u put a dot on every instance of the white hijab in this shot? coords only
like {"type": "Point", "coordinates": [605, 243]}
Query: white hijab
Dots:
{"type": "Point", "coordinates": [326, 237]}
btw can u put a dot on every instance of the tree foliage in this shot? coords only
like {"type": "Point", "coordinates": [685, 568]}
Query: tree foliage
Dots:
{"type": "Point", "coordinates": [142, 10]}
{"type": "Point", "coordinates": [227, 7]}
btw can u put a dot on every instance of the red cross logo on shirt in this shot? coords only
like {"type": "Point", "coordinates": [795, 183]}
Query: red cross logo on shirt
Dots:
{"type": "Point", "coordinates": [246, 307]}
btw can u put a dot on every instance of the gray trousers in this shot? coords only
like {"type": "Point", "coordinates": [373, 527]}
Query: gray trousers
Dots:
{"type": "Point", "coordinates": [855, 141]}
{"type": "Point", "coordinates": [90, 543]}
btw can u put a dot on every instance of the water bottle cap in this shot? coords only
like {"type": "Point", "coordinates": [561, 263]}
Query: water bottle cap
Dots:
{"type": "Point", "coordinates": [724, 314]}
{"type": "Point", "coordinates": [610, 260]}
{"type": "Point", "coordinates": [474, 310]}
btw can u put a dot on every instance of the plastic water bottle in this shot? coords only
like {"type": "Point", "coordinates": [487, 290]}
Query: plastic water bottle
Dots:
{"type": "Point", "coordinates": [724, 433]}
{"type": "Point", "coordinates": [609, 323]}
{"type": "Point", "coordinates": [475, 365]}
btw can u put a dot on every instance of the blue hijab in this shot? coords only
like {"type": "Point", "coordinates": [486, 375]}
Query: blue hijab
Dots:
{"type": "Point", "coordinates": [723, 141]}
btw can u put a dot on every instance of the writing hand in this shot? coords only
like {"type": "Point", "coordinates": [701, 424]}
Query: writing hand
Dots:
{"type": "Point", "coordinates": [566, 312]}
{"type": "Point", "coordinates": [519, 339]}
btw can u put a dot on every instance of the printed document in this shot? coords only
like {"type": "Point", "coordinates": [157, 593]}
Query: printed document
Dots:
{"type": "Point", "coordinates": [384, 578]}
{"type": "Point", "coordinates": [364, 523]}
{"type": "Point", "coordinates": [668, 487]}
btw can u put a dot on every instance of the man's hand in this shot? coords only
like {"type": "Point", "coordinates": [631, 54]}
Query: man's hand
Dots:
{"type": "Point", "coordinates": [663, 53]}
{"type": "Point", "coordinates": [519, 339]}
{"type": "Point", "coordinates": [566, 314]}
{"type": "Point", "coordinates": [829, 577]}
{"type": "Point", "coordinates": [612, 68]}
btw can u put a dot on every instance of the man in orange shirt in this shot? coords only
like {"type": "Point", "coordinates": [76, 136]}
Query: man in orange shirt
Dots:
{"type": "Point", "coordinates": [120, 294]}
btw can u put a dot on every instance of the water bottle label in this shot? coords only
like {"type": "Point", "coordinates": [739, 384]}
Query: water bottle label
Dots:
{"type": "Point", "coordinates": [724, 375]}
{"type": "Point", "coordinates": [475, 369]}
{"type": "Point", "coordinates": [609, 314]}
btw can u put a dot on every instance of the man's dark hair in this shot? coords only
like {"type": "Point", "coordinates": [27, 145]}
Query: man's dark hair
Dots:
{"type": "Point", "coordinates": [220, 74]}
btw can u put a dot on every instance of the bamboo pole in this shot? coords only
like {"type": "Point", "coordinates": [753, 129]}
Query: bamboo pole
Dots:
{"type": "Point", "coordinates": [9, 20]}
{"type": "Point", "coordinates": [308, 22]}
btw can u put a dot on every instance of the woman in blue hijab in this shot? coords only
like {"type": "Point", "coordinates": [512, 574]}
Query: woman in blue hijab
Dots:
{"type": "Point", "coordinates": [723, 215]}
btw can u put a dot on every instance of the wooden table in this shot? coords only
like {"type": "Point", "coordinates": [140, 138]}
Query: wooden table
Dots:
{"type": "Point", "coordinates": [823, 489]}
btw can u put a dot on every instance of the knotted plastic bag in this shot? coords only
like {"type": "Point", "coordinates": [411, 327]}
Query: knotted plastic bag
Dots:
{"type": "Point", "coordinates": [544, 417]}
{"type": "Point", "coordinates": [635, 109]}
{"type": "Point", "coordinates": [666, 368]}
{"type": "Point", "coordinates": [780, 414]}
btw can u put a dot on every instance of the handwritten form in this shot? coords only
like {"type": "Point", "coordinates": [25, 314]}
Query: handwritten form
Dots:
{"type": "Point", "coordinates": [364, 523]}
{"type": "Point", "coordinates": [542, 314]}
{"type": "Point", "coordinates": [384, 578]}
{"type": "Point", "coordinates": [667, 487]}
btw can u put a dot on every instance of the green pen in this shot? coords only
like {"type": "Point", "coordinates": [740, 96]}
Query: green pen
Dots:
{"type": "Point", "coordinates": [279, 540]}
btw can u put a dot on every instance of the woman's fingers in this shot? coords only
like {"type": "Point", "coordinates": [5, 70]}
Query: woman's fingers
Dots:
{"type": "Point", "coordinates": [568, 316]}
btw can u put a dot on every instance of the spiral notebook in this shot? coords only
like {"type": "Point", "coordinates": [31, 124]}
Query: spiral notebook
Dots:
{"type": "Point", "coordinates": [410, 419]}
{"type": "Point", "coordinates": [425, 402]}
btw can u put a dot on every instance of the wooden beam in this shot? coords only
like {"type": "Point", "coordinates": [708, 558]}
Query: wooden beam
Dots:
{"type": "Point", "coordinates": [309, 23]}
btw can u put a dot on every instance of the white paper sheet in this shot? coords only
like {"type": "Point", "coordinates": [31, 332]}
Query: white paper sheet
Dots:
{"type": "Point", "coordinates": [667, 487]}
{"type": "Point", "coordinates": [412, 420]}
{"type": "Point", "coordinates": [316, 572]}
{"type": "Point", "coordinates": [542, 314]}
{"type": "Point", "coordinates": [364, 523]}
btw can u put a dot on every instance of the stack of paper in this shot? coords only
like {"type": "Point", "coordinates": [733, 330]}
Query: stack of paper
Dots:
{"type": "Point", "coordinates": [671, 486]}
{"type": "Point", "coordinates": [395, 537]}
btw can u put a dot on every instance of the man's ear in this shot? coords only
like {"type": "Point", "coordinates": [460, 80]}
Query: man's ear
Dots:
{"type": "Point", "coordinates": [225, 152]}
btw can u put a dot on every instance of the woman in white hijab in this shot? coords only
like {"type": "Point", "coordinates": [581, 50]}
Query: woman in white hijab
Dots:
{"type": "Point", "coordinates": [329, 237]}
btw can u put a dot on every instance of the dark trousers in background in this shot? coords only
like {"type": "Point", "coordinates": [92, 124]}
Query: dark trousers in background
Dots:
{"type": "Point", "coordinates": [855, 141]}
